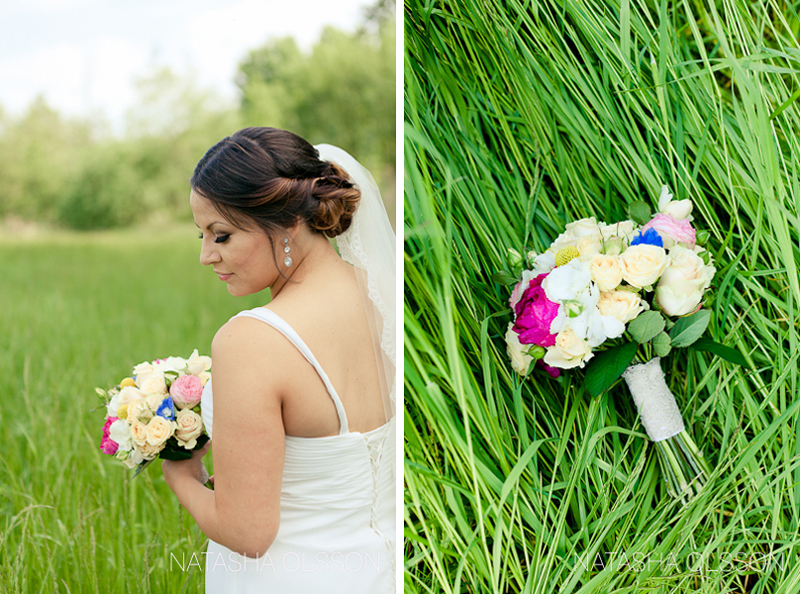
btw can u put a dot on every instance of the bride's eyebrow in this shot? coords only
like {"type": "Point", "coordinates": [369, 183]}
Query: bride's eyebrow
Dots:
{"type": "Point", "coordinates": [208, 227]}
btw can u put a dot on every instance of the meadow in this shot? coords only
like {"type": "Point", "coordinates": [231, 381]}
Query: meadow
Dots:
{"type": "Point", "coordinates": [521, 117]}
{"type": "Point", "coordinates": [78, 311]}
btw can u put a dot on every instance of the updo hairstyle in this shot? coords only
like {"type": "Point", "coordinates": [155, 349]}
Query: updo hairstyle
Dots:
{"type": "Point", "coordinates": [275, 179]}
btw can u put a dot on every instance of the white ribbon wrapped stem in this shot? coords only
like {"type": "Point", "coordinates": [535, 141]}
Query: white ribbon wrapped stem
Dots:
{"type": "Point", "coordinates": [656, 404]}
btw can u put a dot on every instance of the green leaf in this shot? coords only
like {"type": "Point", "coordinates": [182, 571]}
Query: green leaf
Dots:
{"type": "Point", "coordinates": [726, 352]}
{"type": "Point", "coordinates": [606, 367]}
{"type": "Point", "coordinates": [646, 326]}
{"type": "Point", "coordinates": [662, 345]}
{"type": "Point", "coordinates": [687, 330]}
{"type": "Point", "coordinates": [504, 278]}
{"type": "Point", "coordinates": [639, 212]}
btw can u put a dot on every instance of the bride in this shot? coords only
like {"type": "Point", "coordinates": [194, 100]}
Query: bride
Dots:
{"type": "Point", "coordinates": [302, 410]}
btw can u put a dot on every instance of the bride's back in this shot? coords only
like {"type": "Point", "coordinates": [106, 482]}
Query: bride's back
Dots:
{"type": "Point", "coordinates": [325, 310]}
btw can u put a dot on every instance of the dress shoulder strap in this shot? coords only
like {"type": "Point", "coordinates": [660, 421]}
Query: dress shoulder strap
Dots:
{"type": "Point", "coordinates": [270, 317]}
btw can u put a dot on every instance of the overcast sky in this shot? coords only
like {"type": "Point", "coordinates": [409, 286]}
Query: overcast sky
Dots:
{"type": "Point", "coordinates": [85, 54]}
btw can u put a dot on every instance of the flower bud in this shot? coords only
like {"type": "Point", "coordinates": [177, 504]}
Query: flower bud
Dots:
{"type": "Point", "coordinates": [536, 351]}
{"type": "Point", "coordinates": [702, 237]}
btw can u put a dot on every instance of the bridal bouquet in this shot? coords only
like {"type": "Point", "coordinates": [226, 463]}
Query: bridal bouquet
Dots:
{"type": "Point", "coordinates": [614, 294]}
{"type": "Point", "coordinates": [156, 411]}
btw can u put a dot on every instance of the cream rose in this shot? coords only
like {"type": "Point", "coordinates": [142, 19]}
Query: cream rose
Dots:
{"type": "Point", "coordinates": [135, 457]}
{"type": "Point", "coordinates": [189, 427]}
{"type": "Point", "coordinates": [606, 272]}
{"type": "Point", "coordinates": [677, 209]}
{"type": "Point", "coordinates": [621, 305]}
{"type": "Point", "coordinates": [129, 394]}
{"type": "Point", "coordinates": [152, 382]}
{"type": "Point", "coordinates": [683, 283]}
{"type": "Point", "coordinates": [139, 433]}
{"type": "Point", "coordinates": [138, 411]}
{"type": "Point", "coordinates": [642, 264]}
{"type": "Point", "coordinates": [569, 351]}
{"type": "Point", "coordinates": [150, 451]}
{"type": "Point", "coordinates": [153, 401]}
{"type": "Point", "coordinates": [517, 352]}
{"type": "Point", "coordinates": [589, 246]}
{"type": "Point", "coordinates": [159, 430]}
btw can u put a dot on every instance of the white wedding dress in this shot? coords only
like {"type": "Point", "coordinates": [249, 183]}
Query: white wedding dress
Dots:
{"type": "Point", "coordinates": [337, 523]}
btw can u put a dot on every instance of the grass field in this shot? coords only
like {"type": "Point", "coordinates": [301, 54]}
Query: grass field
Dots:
{"type": "Point", "coordinates": [522, 117]}
{"type": "Point", "coordinates": [78, 311]}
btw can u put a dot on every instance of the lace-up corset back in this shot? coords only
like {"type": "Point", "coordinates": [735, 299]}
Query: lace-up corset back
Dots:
{"type": "Point", "coordinates": [337, 497]}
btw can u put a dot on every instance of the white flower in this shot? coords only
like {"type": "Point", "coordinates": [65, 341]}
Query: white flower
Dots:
{"type": "Point", "coordinates": [623, 230]}
{"type": "Point", "coordinates": [574, 232]}
{"type": "Point", "coordinates": [127, 395]}
{"type": "Point", "coordinates": [120, 431]}
{"type": "Point", "coordinates": [174, 364]}
{"type": "Point", "coordinates": [683, 283]}
{"type": "Point", "coordinates": [566, 282]}
{"type": "Point", "coordinates": [569, 351]}
{"type": "Point", "coordinates": [677, 209]}
{"type": "Point", "coordinates": [542, 263]}
{"type": "Point", "coordinates": [521, 286]}
{"type": "Point", "coordinates": [113, 405]}
{"type": "Point", "coordinates": [195, 361]}
{"type": "Point", "coordinates": [580, 314]}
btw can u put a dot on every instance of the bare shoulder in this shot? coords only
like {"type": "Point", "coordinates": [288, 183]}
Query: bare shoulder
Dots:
{"type": "Point", "coordinates": [245, 349]}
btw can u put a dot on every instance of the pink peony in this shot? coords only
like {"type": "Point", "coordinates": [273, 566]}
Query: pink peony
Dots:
{"type": "Point", "coordinates": [672, 231]}
{"type": "Point", "coordinates": [107, 445]}
{"type": "Point", "coordinates": [553, 371]}
{"type": "Point", "coordinates": [535, 312]}
{"type": "Point", "coordinates": [186, 391]}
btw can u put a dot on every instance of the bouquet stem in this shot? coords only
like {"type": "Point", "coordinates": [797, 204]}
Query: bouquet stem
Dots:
{"type": "Point", "coordinates": [680, 460]}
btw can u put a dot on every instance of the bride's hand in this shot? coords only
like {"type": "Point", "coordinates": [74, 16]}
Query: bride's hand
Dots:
{"type": "Point", "coordinates": [193, 468]}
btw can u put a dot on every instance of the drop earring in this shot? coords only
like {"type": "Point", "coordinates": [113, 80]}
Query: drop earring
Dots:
{"type": "Point", "coordinates": [287, 261]}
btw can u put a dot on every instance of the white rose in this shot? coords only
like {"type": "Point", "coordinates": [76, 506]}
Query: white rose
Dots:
{"type": "Point", "coordinates": [589, 246]}
{"type": "Point", "coordinates": [569, 351]}
{"type": "Point", "coordinates": [152, 382]}
{"type": "Point", "coordinates": [677, 209]}
{"type": "Point", "coordinates": [621, 305]}
{"type": "Point", "coordinates": [120, 431]}
{"type": "Point", "coordinates": [623, 230]}
{"type": "Point", "coordinates": [159, 430]}
{"type": "Point", "coordinates": [189, 427]}
{"type": "Point", "coordinates": [129, 394]}
{"type": "Point", "coordinates": [606, 272]}
{"type": "Point", "coordinates": [574, 232]}
{"type": "Point", "coordinates": [113, 406]}
{"type": "Point", "coordinates": [642, 264]}
{"type": "Point", "coordinates": [517, 351]}
{"type": "Point", "coordinates": [683, 283]}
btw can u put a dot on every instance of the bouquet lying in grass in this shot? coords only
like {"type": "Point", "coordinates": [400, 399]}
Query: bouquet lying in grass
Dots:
{"type": "Point", "coordinates": [156, 412]}
{"type": "Point", "coordinates": [617, 293]}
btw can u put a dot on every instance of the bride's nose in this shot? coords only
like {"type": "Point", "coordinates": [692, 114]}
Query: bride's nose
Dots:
{"type": "Point", "coordinates": [208, 253]}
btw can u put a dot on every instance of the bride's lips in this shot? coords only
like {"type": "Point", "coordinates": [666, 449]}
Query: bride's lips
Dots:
{"type": "Point", "coordinates": [223, 277]}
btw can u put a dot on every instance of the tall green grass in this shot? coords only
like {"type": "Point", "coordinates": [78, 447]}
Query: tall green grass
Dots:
{"type": "Point", "coordinates": [523, 116]}
{"type": "Point", "coordinates": [78, 311]}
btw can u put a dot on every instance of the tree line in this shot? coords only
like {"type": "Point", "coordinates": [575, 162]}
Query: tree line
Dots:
{"type": "Point", "coordinates": [77, 173]}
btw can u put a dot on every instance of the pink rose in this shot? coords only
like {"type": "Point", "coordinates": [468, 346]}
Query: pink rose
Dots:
{"type": "Point", "coordinates": [535, 312]}
{"type": "Point", "coordinates": [186, 391]}
{"type": "Point", "coordinates": [672, 231]}
{"type": "Point", "coordinates": [107, 445]}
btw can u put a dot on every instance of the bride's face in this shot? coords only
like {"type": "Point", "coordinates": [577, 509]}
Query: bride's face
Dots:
{"type": "Point", "coordinates": [243, 259]}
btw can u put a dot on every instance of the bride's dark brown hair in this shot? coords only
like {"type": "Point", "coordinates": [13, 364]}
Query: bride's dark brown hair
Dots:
{"type": "Point", "coordinates": [274, 178]}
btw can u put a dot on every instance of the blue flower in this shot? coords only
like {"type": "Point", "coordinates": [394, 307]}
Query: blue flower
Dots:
{"type": "Point", "coordinates": [167, 409]}
{"type": "Point", "coordinates": [649, 237]}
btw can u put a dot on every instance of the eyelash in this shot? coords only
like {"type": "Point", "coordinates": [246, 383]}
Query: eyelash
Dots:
{"type": "Point", "coordinates": [220, 239]}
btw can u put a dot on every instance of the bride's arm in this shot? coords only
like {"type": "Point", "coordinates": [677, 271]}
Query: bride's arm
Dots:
{"type": "Point", "coordinates": [243, 511]}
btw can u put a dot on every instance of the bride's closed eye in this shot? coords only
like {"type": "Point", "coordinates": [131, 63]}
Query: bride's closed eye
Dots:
{"type": "Point", "coordinates": [220, 239]}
